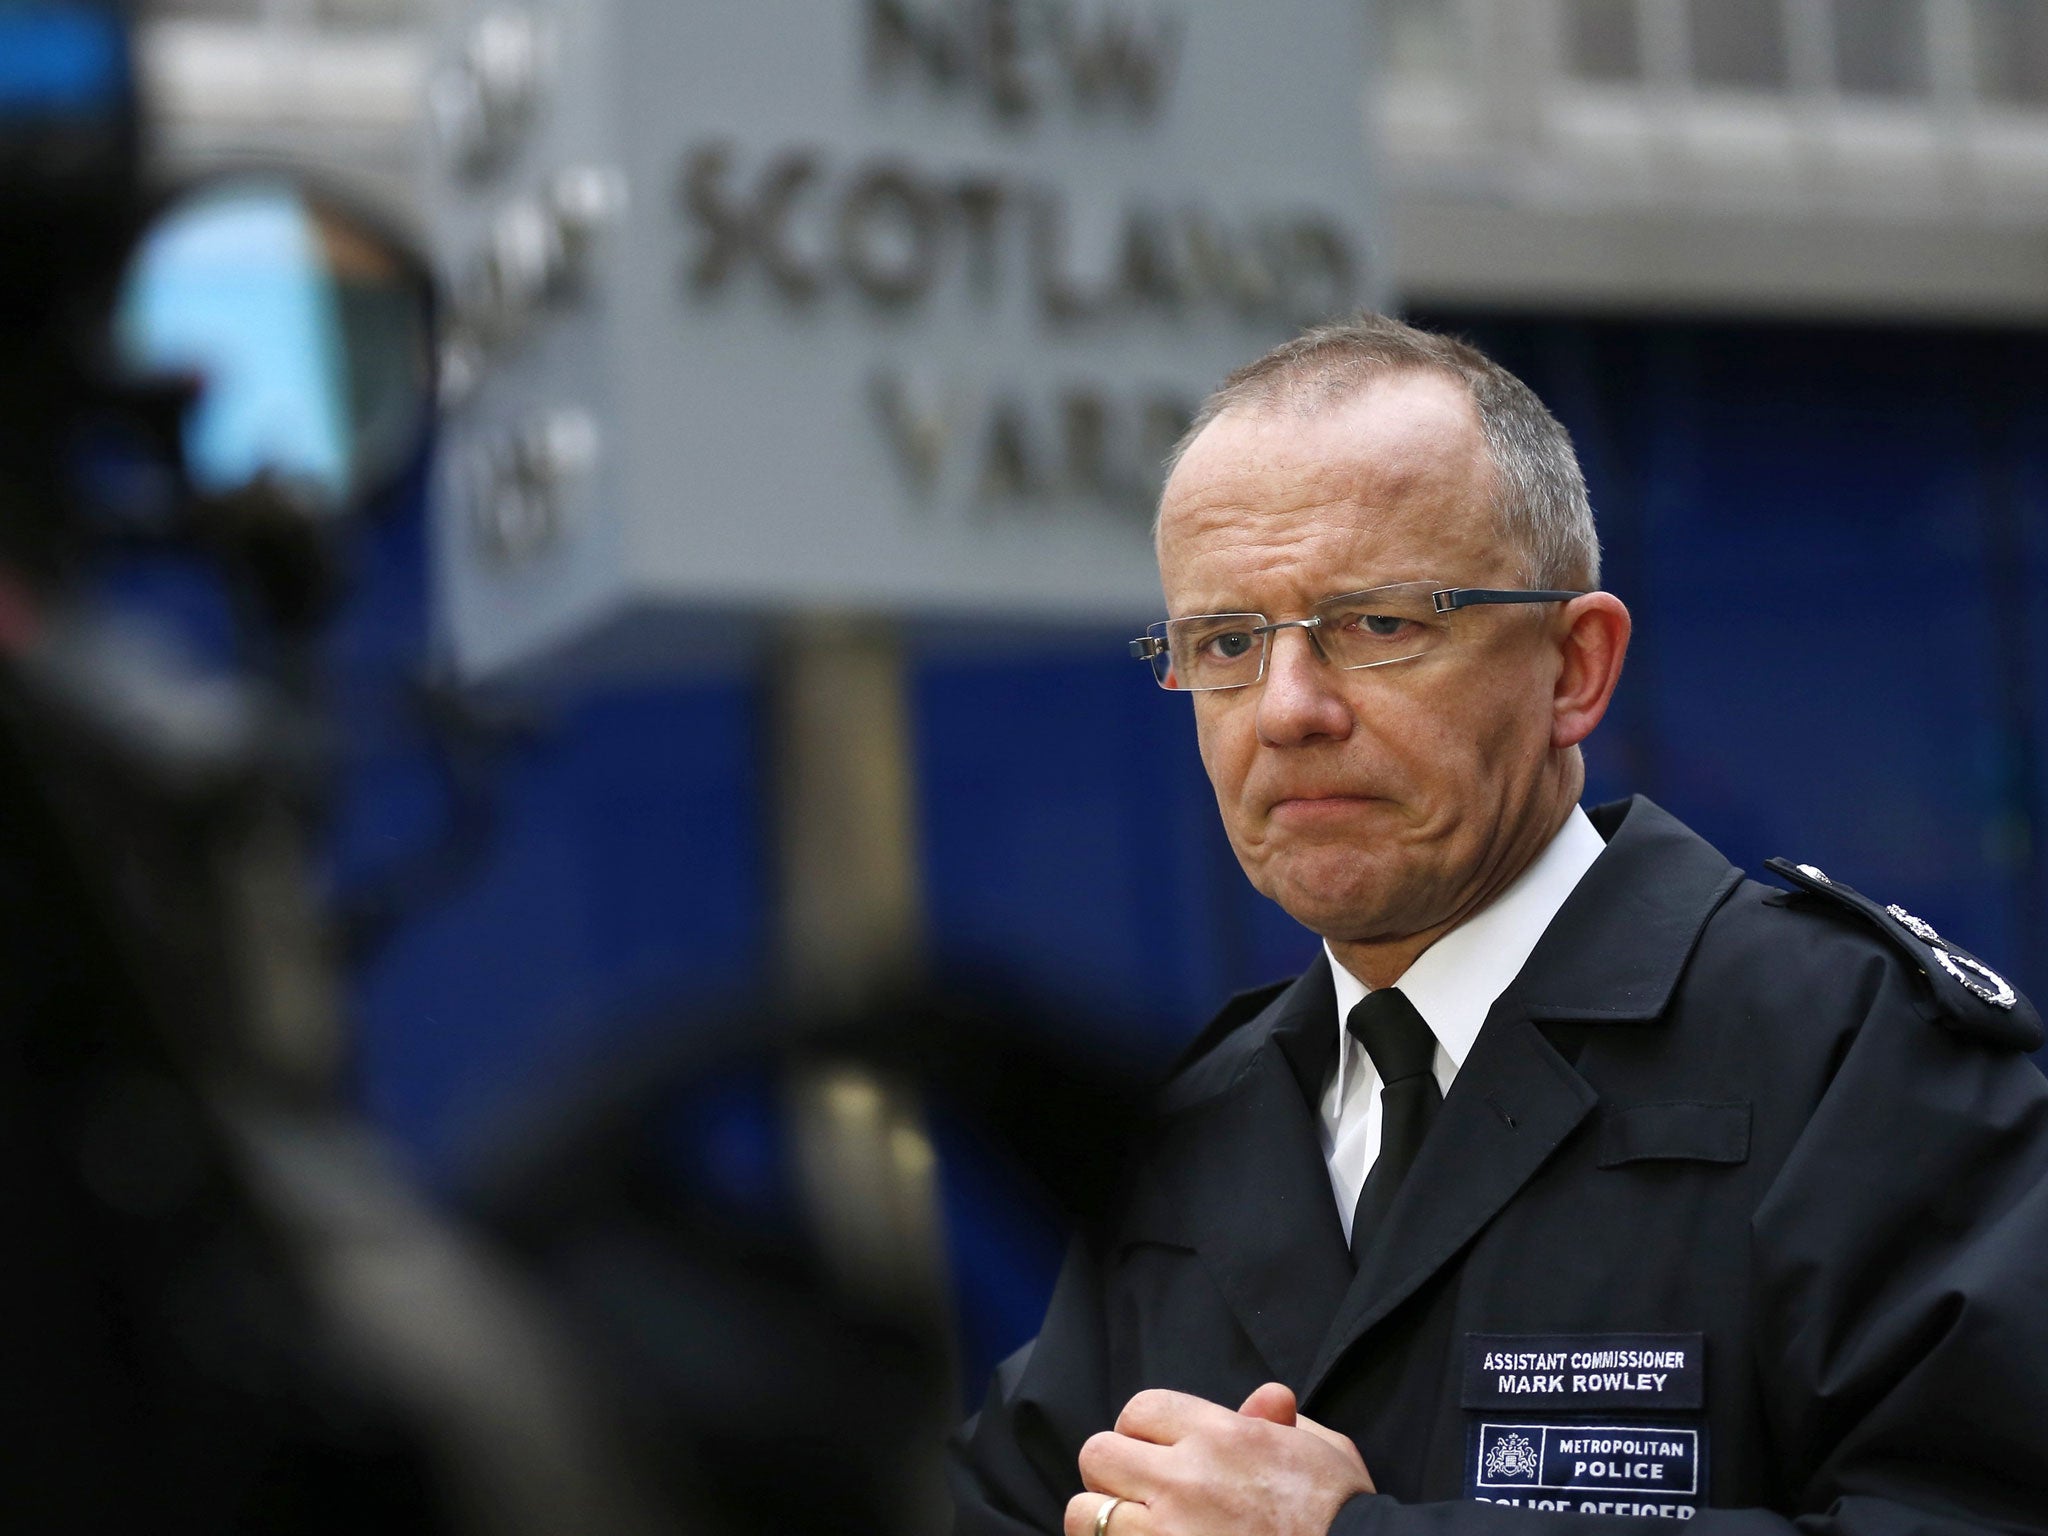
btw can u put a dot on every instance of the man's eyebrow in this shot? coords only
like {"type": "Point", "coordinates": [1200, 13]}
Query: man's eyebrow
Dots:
{"type": "Point", "coordinates": [1363, 584]}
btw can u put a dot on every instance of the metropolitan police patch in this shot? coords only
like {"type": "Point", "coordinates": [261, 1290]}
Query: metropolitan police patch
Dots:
{"type": "Point", "coordinates": [1656, 1470]}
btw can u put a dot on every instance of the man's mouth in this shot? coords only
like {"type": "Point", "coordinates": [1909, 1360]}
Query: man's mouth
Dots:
{"type": "Point", "coordinates": [1312, 810]}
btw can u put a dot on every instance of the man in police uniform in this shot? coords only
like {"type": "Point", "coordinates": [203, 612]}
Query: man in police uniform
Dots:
{"type": "Point", "coordinates": [1580, 1179]}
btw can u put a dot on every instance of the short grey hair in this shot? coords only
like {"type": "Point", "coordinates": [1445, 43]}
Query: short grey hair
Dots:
{"type": "Point", "coordinates": [1540, 504]}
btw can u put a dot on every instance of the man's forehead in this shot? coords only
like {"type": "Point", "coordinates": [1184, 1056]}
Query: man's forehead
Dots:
{"type": "Point", "coordinates": [1395, 425]}
{"type": "Point", "coordinates": [1384, 475]}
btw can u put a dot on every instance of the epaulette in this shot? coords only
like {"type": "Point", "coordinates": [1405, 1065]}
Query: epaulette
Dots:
{"type": "Point", "coordinates": [1973, 998]}
{"type": "Point", "coordinates": [1241, 1009]}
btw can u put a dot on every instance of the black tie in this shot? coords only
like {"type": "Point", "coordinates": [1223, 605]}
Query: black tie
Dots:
{"type": "Point", "coordinates": [1404, 1052]}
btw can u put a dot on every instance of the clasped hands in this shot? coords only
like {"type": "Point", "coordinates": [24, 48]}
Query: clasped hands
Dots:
{"type": "Point", "coordinates": [1189, 1467]}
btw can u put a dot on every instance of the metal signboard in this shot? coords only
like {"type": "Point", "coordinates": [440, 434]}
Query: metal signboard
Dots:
{"type": "Point", "coordinates": [886, 305]}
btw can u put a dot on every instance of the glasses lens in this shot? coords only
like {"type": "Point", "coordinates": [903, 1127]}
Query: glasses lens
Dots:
{"type": "Point", "coordinates": [1214, 650]}
{"type": "Point", "coordinates": [1370, 629]}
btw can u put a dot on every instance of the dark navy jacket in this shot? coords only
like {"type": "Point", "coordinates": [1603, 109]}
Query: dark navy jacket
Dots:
{"type": "Point", "coordinates": [1737, 1212]}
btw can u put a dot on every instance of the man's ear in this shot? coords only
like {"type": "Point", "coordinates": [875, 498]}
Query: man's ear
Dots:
{"type": "Point", "coordinates": [1592, 643]}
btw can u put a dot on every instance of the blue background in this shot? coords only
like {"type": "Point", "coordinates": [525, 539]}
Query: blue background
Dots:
{"type": "Point", "coordinates": [1834, 541]}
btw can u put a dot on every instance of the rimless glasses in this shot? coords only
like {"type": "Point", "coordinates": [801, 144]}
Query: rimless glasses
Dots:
{"type": "Point", "coordinates": [1372, 628]}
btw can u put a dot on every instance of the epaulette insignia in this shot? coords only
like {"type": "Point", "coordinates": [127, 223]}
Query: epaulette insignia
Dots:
{"type": "Point", "coordinates": [1973, 996]}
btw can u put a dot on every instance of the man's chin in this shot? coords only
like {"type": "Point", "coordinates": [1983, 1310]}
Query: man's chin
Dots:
{"type": "Point", "coordinates": [1342, 902]}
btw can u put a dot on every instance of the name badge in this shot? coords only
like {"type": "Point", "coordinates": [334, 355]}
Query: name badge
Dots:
{"type": "Point", "coordinates": [1584, 1372]}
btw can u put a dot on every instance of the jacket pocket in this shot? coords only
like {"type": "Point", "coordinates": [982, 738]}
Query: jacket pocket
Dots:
{"type": "Point", "coordinates": [1682, 1131]}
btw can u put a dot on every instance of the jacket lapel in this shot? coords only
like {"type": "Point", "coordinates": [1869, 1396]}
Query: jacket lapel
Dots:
{"type": "Point", "coordinates": [1515, 1100]}
{"type": "Point", "coordinates": [1248, 1189]}
{"type": "Point", "coordinates": [1612, 955]}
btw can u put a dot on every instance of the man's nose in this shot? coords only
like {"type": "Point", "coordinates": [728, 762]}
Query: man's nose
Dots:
{"type": "Point", "coordinates": [1299, 700]}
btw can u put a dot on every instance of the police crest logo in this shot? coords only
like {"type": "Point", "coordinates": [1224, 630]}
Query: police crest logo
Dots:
{"type": "Point", "coordinates": [1511, 1458]}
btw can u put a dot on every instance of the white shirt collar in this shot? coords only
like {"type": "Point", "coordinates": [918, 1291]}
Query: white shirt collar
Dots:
{"type": "Point", "coordinates": [1454, 982]}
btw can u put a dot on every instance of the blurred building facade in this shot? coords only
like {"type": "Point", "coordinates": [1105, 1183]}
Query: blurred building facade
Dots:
{"type": "Point", "coordinates": [1800, 158]}
{"type": "Point", "coordinates": [1780, 265]}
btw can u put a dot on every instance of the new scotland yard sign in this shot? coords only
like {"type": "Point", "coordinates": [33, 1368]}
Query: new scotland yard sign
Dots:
{"type": "Point", "coordinates": [906, 301]}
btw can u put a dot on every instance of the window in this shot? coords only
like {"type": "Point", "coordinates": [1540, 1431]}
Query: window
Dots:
{"type": "Point", "coordinates": [2012, 50]}
{"type": "Point", "coordinates": [1738, 44]}
{"type": "Point", "coordinates": [1881, 47]}
{"type": "Point", "coordinates": [1603, 40]}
